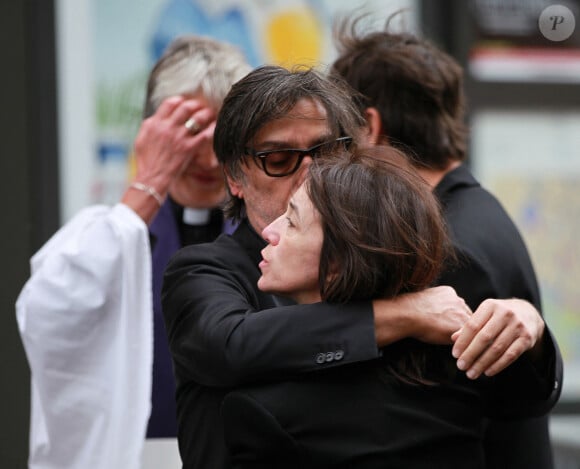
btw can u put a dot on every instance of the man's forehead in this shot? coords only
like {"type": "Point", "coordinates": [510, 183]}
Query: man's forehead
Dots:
{"type": "Point", "coordinates": [306, 108]}
{"type": "Point", "coordinates": [293, 141]}
{"type": "Point", "coordinates": [305, 123]}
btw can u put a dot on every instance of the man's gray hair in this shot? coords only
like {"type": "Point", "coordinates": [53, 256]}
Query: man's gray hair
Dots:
{"type": "Point", "coordinates": [193, 65]}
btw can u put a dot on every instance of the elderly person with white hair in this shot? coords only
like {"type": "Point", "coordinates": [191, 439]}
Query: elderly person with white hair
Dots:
{"type": "Point", "coordinates": [90, 314]}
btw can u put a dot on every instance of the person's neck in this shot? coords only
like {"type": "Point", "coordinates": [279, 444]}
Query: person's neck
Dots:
{"type": "Point", "coordinates": [306, 297]}
{"type": "Point", "coordinates": [434, 176]}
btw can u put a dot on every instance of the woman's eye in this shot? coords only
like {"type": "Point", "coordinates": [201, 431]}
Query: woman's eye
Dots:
{"type": "Point", "coordinates": [290, 224]}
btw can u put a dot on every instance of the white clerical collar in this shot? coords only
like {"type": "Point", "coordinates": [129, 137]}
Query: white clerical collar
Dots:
{"type": "Point", "coordinates": [196, 216]}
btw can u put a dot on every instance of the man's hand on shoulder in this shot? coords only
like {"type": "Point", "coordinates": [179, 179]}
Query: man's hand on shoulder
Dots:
{"type": "Point", "coordinates": [497, 334]}
{"type": "Point", "coordinates": [431, 316]}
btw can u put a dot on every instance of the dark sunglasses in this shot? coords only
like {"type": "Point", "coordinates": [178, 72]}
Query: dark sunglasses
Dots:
{"type": "Point", "coordinates": [285, 161]}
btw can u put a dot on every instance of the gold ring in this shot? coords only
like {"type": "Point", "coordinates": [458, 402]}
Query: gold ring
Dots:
{"type": "Point", "coordinates": [192, 126]}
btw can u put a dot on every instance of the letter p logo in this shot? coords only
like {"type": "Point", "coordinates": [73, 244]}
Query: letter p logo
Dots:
{"type": "Point", "coordinates": [557, 23]}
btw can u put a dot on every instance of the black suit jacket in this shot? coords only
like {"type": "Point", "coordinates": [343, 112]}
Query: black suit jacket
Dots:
{"type": "Point", "coordinates": [360, 416]}
{"type": "Point", "coordinates": [219, 339]}
{"type": "Point", "coordinates": [494, 263]}
{"type": "Point", "coordinates": [352, 417]}
{"type": "Point", "coordinates": [223, 332]}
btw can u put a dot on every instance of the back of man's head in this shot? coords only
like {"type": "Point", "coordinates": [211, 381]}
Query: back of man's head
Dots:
{"type": "Point", "coordinates": [416, 88]}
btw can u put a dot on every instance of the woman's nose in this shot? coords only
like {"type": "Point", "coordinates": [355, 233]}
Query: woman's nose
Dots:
{"type": "Point", "coordinates": [270, 233]}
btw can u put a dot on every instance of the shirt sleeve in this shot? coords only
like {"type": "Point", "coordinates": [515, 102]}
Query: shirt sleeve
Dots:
{"type": "Point", "coordinates": [84, 317]}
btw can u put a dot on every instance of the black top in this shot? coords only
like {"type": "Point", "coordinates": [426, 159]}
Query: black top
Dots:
{"type": "Point", "coordinates": [168, 233]}
{"type": "Point", "coordinates": [360, 416]}
{"type": "Point", "coordinates": [224, 332]}
{"type": "Point", "coordinates": [354, 417]}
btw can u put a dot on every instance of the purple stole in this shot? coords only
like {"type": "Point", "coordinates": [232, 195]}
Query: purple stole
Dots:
{"type": "Point", "coordinates": [165, 231]}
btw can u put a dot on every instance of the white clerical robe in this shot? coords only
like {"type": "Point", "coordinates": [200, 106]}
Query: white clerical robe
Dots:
{"type": "Point", "coordinates": [85, 318]}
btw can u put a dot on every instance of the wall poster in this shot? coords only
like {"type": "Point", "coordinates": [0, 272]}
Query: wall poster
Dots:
{"type": "Point", "coordinates": [106, 49]}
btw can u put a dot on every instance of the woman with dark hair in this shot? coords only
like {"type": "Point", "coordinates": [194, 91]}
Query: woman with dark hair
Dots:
{"type": "Point", "coordinates": [363, 225]}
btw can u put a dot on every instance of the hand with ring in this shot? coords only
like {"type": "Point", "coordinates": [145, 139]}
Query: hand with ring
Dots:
{"type": "Point", "coordinates": [179, 129]}
{"type": "Point", "coordinates": [192, 126]}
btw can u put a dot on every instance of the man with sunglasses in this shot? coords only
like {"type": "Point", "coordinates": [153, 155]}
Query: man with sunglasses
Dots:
{"type": "Point", "coordinates": [285, 161]}
{"type": "Point", "coordinates": [224, 332]}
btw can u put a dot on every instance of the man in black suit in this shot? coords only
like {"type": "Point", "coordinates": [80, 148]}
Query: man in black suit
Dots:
{"type": "Point", "coordinates": [412, 96]}
{"type": "Point", "coordinates": [224, 332]}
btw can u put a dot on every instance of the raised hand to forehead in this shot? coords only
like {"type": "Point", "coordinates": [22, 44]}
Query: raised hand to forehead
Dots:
{"type": "Point", "coordinates": [165, 144]}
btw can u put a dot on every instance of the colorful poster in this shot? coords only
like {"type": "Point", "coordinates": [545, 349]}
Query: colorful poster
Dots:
{"type": "Point", "coordinates": [130, 36]}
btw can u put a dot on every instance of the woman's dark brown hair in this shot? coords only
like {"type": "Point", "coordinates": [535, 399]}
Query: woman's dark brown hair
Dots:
{"type": "Point", "coordinates": [383, 233]}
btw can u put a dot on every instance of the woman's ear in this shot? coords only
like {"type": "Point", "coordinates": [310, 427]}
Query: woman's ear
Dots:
{"type": "Point", "coordinates": [375, 133]}
{"type": "Point", "coordinates": [236, 187]}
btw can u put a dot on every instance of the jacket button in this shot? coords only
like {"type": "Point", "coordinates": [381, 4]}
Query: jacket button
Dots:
{"type": "Point", "coordinates": [320, 358]}
{"type": "Point", "coordinates": [329, 356]}
{"type": "Point", "coordinates": [338, 355]}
